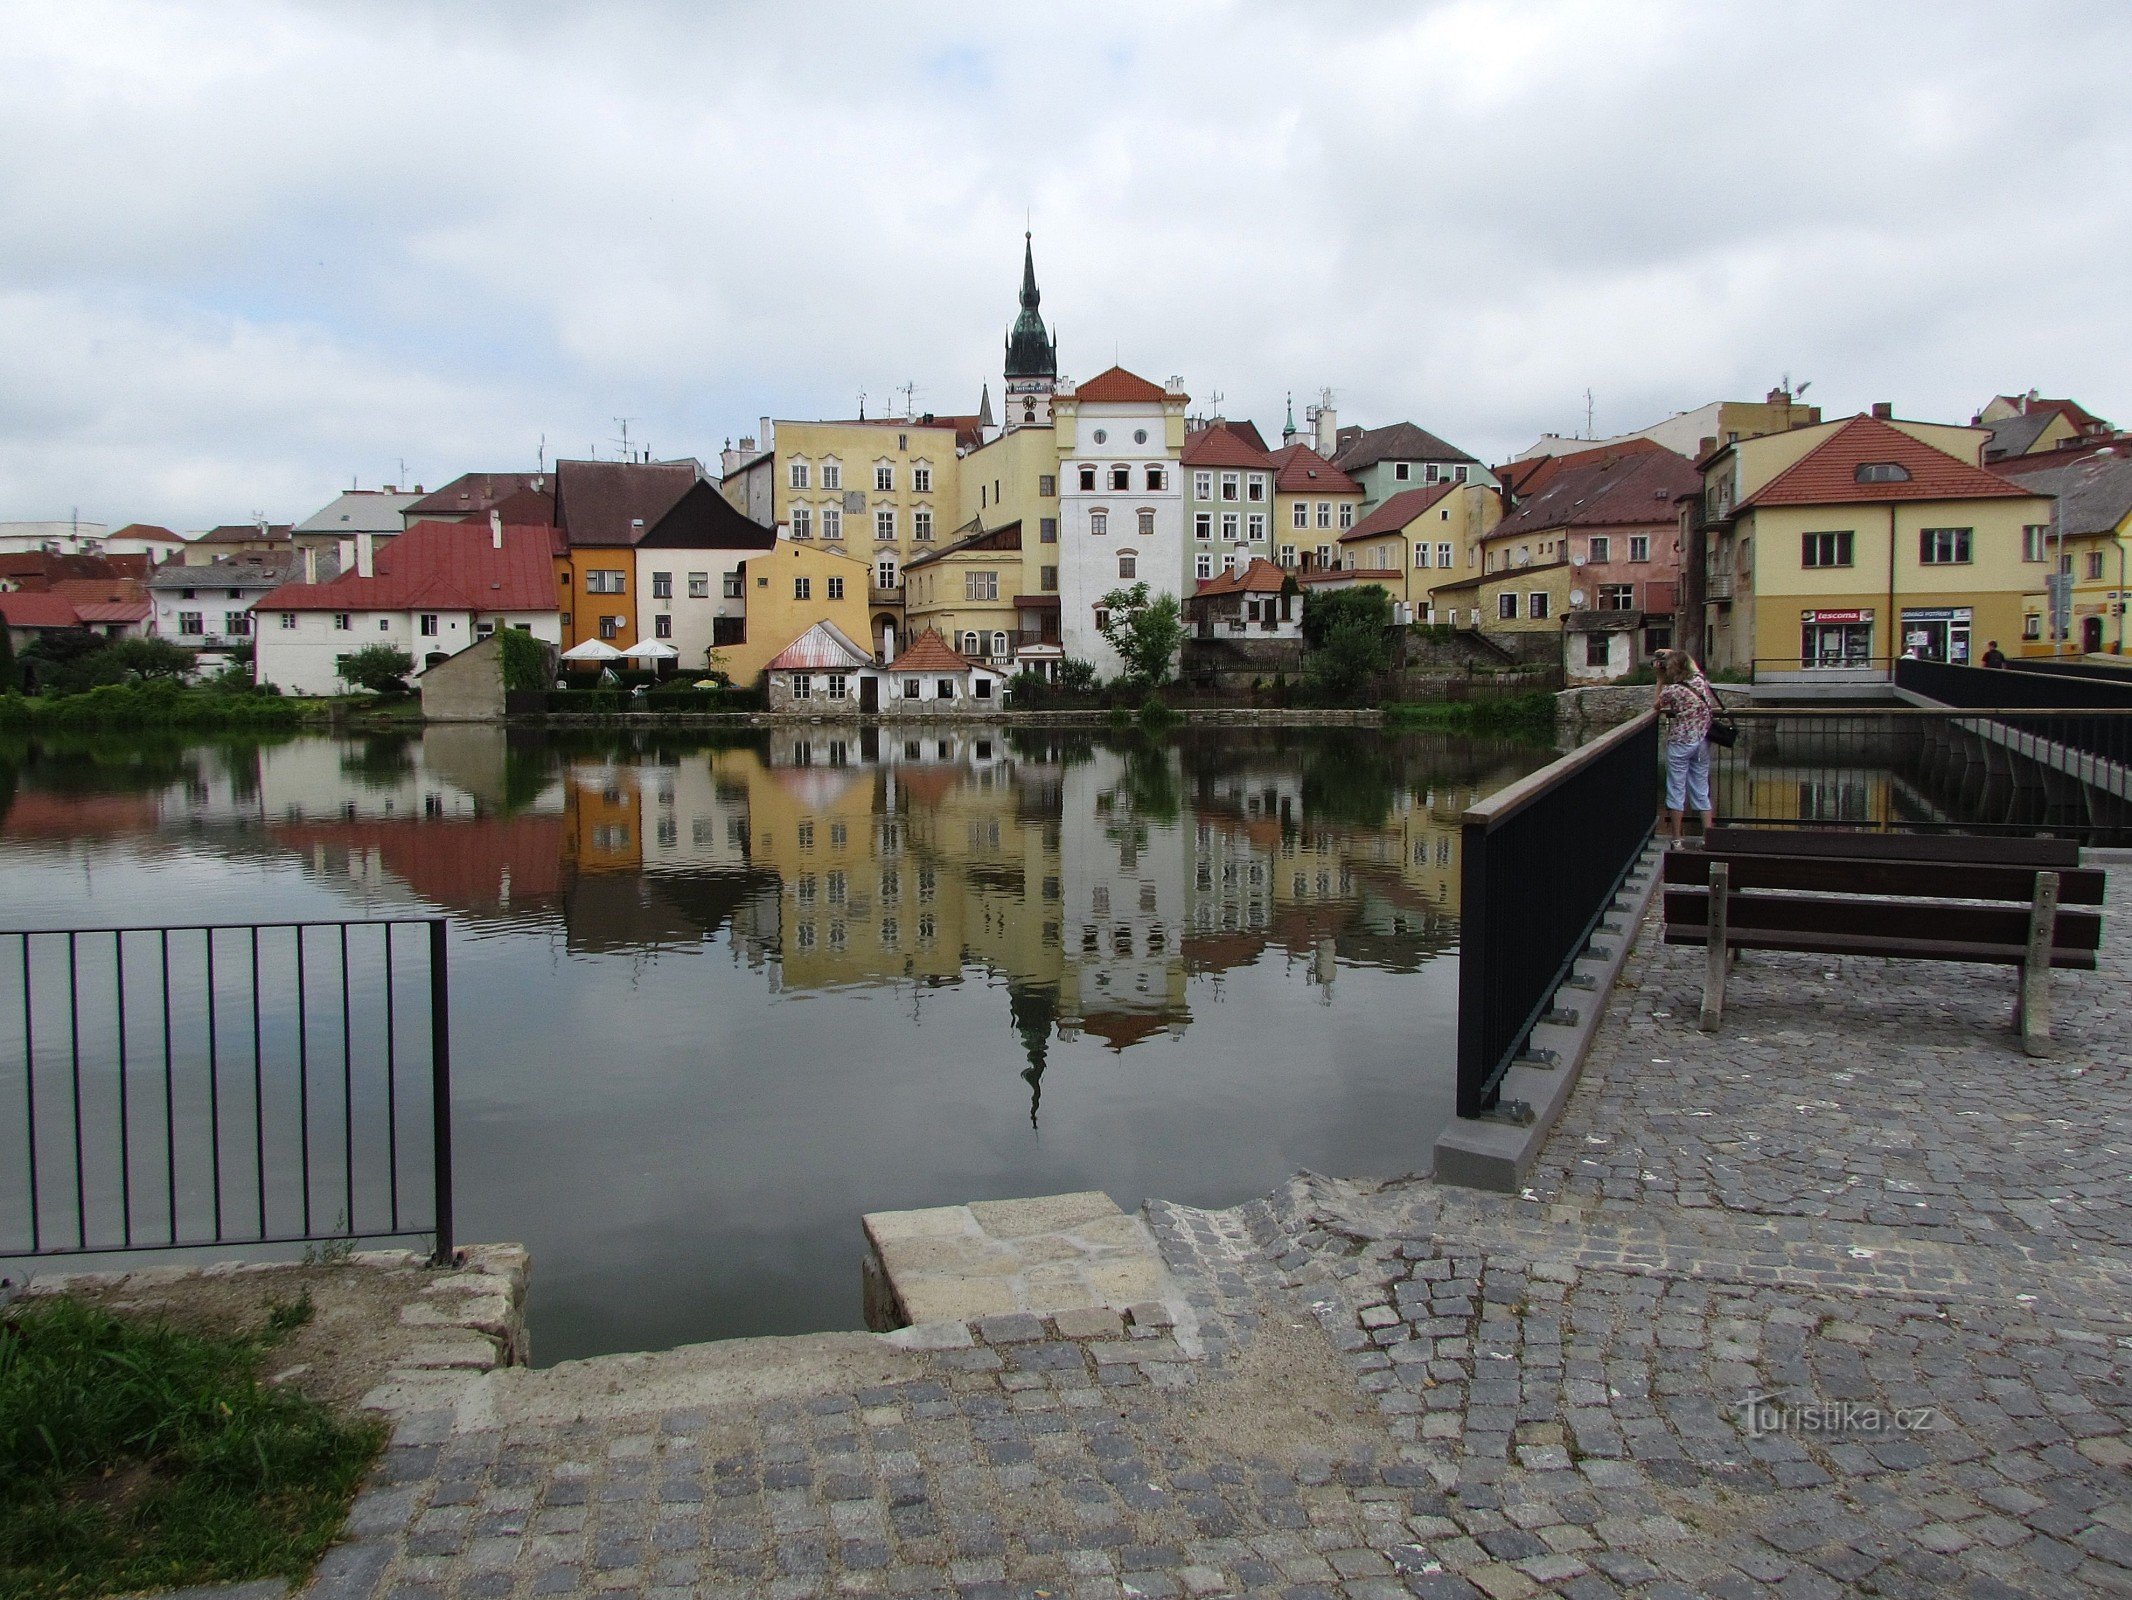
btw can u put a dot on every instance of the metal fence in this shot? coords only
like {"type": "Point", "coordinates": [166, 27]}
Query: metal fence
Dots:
{"type": "Point", "coordinates": [1542, 861]}
{"type": "Point", "coordinates": [255, 1083]}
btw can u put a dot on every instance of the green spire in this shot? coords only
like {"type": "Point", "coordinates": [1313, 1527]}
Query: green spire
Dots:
{"type": "Point", "coordinates": [1030, 352]}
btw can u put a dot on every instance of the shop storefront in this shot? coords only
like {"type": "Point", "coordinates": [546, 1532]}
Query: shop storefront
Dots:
{"type": "Point", "coordinates": [1836, 638]}
{"type": "Point", "coordinates": [1938, 633]}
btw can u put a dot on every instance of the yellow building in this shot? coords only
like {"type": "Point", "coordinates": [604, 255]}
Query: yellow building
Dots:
{"type": "Point", "coordinates": [1314, 502]}
{"type": "Point", "coordinates": [2028, 424]}
{"type": "Point", "coordinates": [1015, 479]}
{"type": "Point", "coordinates": [1842, 546]}
{"type": "Point", "coordinates": [969, 589]}
{"type": "Point", "coordinates": [2090, 544]}
{"type": "Point", "coordinates": [787, 590]}
{"type": "Point", "coordinates": [1410, 541]}
{"type": "Point", "coordinates": [1518, 597]}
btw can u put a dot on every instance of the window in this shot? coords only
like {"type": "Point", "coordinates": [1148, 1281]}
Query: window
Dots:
{"type": "Point", "coordinates": [1402, 472]}
{"type": "Point", "coordinates": [1325, 514]}
{"type": "Point", "coordinates": [1203, 525]}
{"type": "Point", "coordinates": [832, 475]}
{"type": "Point", "coordinates": [1443, 555]}
{"type": "Point", "coordinates": [1047, 485]}
{"type": "Point", "coordinates": [1421, 553]}
{"type": "Point", "coordinates": [922, 525]}
{"type": "Point", "coordinates": [803, 588]}
{"type": "Point", "coordinates": [999, 647]}
{"type": "Point", "coordinates": [803, 689]}
{"type": "Point", "coordinates": [1506, 606]}
{"type": "Point", "coordinates": [2034, 538]}
{"type": "Point", "coordinates": [1231, 486]}
{"type": "Point", "coordinates": [1047, 530]}
{"type": "Point", "coordinates": [1157, 479]}
{"type": "Point", "coordinates": [1598, 648]}
{"type": "Point", "coordinates": [885, 573]}
{"type": "Point", "coordinates": [911, 686]}
{"type": "Point", "coordinates": [1099, 523]}
{"type": "Point", "coordinates": [1347, 513]}
{"type": "Point", "coordinates": [885, 525]}
{"type": "Point", "coordinates": [610, 627]}
{"type": "Point", "coordinates": [1881, 472]}
{"type": "Point", "coordinates": [662, 626]}
{"type": "Point", "coordinates": [1128, 564]}
{"type": "Point", "coordinates": [1302, 514]}
{"type": "Point", "coordinates": [1825, 549]}
{"type": "Point", "coordinates": [1202, 566]}
{"type": "Point", "coordinates": [802, 522]}
{"type": "Point", "coordinates": [2032, 626]}
{"type": "Point", "coordinates": [1601, 548]}
{"type": "Point", "coordinates": [922, 479]}
{"type": "Point", "coordinates": [341, 621]}
{"type": "Point", "coordinates": [1459, 474]}
{"type": "Point", "coordinates": [798, 477]}
{"type": "Point", "coordinates": [832, 523]}
{"type": "Point", "coordinates": [1429, 473]}
{"type": "Point", "coordinates": [944, 689]}
{"type": "Point", "coordinates": [192, 622]}
{"type": "Point", "coordinates": [1088, 480]}
{"type": "Point", "coordinates": [1258, 526]}
{"type": "Point", "coordinates": [2094, 565]}
{"type": "Point", "coordinates": [1203, 485]}
{"type": "Point", "coordinates": [981, 687]}
{"type": "Point", "coordinates": [1228, 526]}
{"type": "Point", "coordinates": [980, 586]}
{"type": "Point", "coordinates": [1539, 605]}
{"type": "Point", "coordinates": [1121, 477]}
{"type": "Point", "coordinates": [836, 588]}
{"type": "Point", "coordinates": [1639, 547]}
{"type": "Point", "coordinates": [288, 619]}
{"type": "Point", "coordinates": [1617, 597]}
{"type": "Point", "coordinates": [606, 581]}
{"type": "Point", "coordinates": [1146, 522]}
{"type": "Point", "coordinates": [662, 586]}
{"type": "Point", "coordinates": [1941, 547]}
{"type": "Point", "coordinates": [884, 479]}
{"type": "Point", "coordinates": [699, 586]}
{"type": "Point", "coordinates": [730, 587]}
{"type": "Point", "coordinates": [833, 689]}
{"type": "Point", "coordinates": [427, 627]}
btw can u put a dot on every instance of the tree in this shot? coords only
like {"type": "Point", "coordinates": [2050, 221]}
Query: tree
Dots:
{"type": "Point", "coordinates": [147, 659]}
{"type": "Point", "coordinates": [1346, 633]}
{"type": "Point", "coordinates": [380, 668]}
{"type": "Point", "coordinates": [1145, 631]}
{"type": "Point", "coordinates": [7, 659]}
{"type": "Point", "coordinates": [68, 661]}
{"type": "Point", "coordinates": [525, 660]}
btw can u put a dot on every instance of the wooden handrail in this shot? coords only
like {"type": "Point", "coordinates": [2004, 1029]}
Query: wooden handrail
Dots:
{"type": "Point", "coordinates": [1506, 803]}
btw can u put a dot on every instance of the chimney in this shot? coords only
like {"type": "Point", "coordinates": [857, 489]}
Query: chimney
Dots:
{"type": "Point", "coordinates": [765, 435]}
{"type": "Point", "coordinates": [495, 529]}
{"type": "Point", "coordinates": [1884, 409]}
{"type": "Point", "coordinates": [1706, 445]}
{"type": "Point", "coordinates": [365, 548]}
{"type": "Point", "coordinates": [310, 563]}
{"type": "Point", "coordinates": [1327, 443]}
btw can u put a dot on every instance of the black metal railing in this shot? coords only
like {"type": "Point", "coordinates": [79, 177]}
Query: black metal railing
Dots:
{"type": "Point", "coordinates": [228, 1084]}
{"type": "Point", "coordinates": [1929, 769]}
{"type": "Point", "coordinates": [2079, 714]}
{"type": "Point", "coordinates": [1542, 861]}
{"type": "Point", "coordinates": [2118, 670]}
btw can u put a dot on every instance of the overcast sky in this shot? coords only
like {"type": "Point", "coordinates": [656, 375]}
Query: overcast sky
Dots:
{"type": "Point", "coordinates": [252, 254]}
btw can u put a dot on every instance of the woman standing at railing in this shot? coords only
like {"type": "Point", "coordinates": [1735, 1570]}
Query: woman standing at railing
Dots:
{"type": "Point", "coordinates": [1685, 705]}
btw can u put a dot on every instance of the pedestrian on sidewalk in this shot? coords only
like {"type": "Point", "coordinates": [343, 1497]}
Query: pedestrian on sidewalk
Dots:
{"type": "Point", "coordinates": [1993, 655]}
{"type": "Point", "coordinates": [1685, 707]}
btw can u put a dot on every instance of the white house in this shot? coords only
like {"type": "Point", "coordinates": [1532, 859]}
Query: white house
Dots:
{"type": "Point", "coordinates": [1121, 501]}
{"type": "Point", "coordinates": [209, 607]}
{"type": "Point", "coordinates": [690, 590]}
{"type": "Point", "coordinates": [432, 591]}
{"type": "Point", "coordinates": [931, 676]}
{"type": "Point", "coordinates": [824, 673]}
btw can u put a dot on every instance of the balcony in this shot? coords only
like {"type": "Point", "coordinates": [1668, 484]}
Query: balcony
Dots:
{"type": "Point", "coordinates": [1718, 586]}
{"type": "Point", "coordinates": [884, 594]}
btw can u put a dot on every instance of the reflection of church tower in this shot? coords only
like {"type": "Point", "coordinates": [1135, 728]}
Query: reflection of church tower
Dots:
{"type": "Point", "coordinates": [1032, 356]}
{"type": "Point", "coordinates": [1032, 1007]}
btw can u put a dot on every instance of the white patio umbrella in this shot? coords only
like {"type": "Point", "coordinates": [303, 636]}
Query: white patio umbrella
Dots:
{"type": "Point", "coordinates": [652, 650]}
{"type": "Point", "coordinates": [592, 650]}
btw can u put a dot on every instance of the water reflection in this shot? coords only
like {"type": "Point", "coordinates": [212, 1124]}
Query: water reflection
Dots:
{"type": "Point", "coordinates": [719, 995]}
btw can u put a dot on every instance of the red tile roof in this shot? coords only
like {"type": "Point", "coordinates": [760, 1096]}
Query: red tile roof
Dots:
{"type": "Point", "coordinates": [102, 591]}
{"type": "Point", "coordinates": [1535, 473]}
{"type": "Point", "coordinates": [1222, 444]}
{"type": "Point", "coordinates": [1605, 488]}
{"type": "Point", "coordinates": [601, 503]}
{"type": "Point", "coordinates": [2072, 410]}
{"type": "Point", "coordinates": [1398, 511]}
{"type": "Point", "coordinates": [1298, 469]}
{"type": "Point", "coordinates": [930, 653]}
{"type": "Point", "coordinates": [102, 612]}
{"type": "Point", "coordinates": [1117, 385]}
{"type": "Point", "coordinates": [439, 566]}
{"type": "Point", "coordinates": [1261, 577]}
{"type": "Point", "coordinates": [44, 610]}
{"type": "Point", "coordinates": [1828, 473]}
{"type": "Point", "coordinates": [472, 493]}
{"type": "Point", "coordinates": [145, 530]}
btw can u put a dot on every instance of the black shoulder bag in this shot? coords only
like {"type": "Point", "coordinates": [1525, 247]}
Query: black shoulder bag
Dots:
{"type": "Point", "coordinates": [1724, 732]}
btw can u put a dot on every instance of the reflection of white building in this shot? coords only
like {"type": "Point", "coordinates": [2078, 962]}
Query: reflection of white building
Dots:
{"type": "Point", "coordinates": [446, 772]}
{"type": "Point", "coordinates": [692, 822]}
{"type": "Point", "coordinates": [1122, 871]}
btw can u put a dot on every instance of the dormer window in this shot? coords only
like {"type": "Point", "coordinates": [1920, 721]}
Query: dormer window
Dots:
{"type": "Point", "coordinates": [1882, 472]}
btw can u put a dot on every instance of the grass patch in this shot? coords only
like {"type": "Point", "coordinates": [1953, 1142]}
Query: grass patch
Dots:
{"type": "Point", "coordinates": [136, 1457]}
{"type": "Point", "coordinates": [1530, 715]}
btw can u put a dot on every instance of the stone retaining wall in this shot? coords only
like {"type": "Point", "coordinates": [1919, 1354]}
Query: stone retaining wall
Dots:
{"type": "Point", "coordinates": [1582, 715]}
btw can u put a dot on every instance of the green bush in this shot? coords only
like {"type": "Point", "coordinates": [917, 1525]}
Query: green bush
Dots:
{"type": "Point", "coordinates": [525, 661]}
{"type": "Point", "coordinates": [161, 703]}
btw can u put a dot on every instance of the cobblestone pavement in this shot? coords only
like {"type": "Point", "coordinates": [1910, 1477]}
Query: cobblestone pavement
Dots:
{"type": "Point", "coordinates": [1859, 1200]}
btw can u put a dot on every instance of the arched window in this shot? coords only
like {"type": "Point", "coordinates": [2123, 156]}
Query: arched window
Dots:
{"type": "Point", "coordinates": [1128, 563]}
{"type": "Point", "coordinates": [1099, 522]}
{"type": "Point", "coordinates": [969, 643]}
{"type": "Point", "coordinates": [1147, 522]}
{"type": "Point", "coordinates": [999, 647]}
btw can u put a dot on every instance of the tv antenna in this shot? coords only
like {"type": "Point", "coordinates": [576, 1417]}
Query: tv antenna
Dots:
{"type": "Point", "coordinates": [623, 424]}
{"type": "Point", "coordinates": [1588, 433]}
{"type": "Point", "coordinates": [1215, 399]}
{"type": "Point", "coordinates": [540, 456]}
{"type": "Point", "coordinates": [862, 405]}
{"type": "Point", "coordinates": [910, 390]}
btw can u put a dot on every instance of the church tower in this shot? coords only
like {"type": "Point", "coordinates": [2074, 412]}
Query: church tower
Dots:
{"type": "Point", "coordinates": [1032, 356]}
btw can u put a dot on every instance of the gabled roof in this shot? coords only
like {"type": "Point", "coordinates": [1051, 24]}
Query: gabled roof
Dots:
{"type": "Point", "coordinates": [1828, 473]}
{"type": "Point", "coordinates": [2017, 435]}
{"type": "Point", "coordinates": [2072, 410]}
{"type": "Point", "coordinates": [246, 533]}
{"type": "Point", "coordinates": [930, 653]}
{"type": "Point", "coordinates": [1115, 384]}
{"type": "Point", "coordinates": [823, 647]}
{"type": "Point", "coordinates": [972, 537]}
{"type": "Point", "coordinates": [437, 566]}
{"type": "Point", "coordinates": [1611, 488]}
{"type": "Point", "coordinates": [2094, 487]}
{"type": "Point", "coordinates": [474, 492]}
{"type": "Point", "coordinates": [1534, 473]}
{"type": "Point", "coordinates": [22, 609]}
{"type": "Point", "coordinates": [704, 519]}
{"type": "Point", "coordinates": [1224, 444]}
{"type": "Point", "coordinates": [250, 570]}
{"type": "Point", "coordinates": [1261, 577]}
{"type": "Point", "coordinates": [101, 612]}
{"type": "Point", "coordinates": [1398, 511]}
{"type": "Point", "coordinates": [614, 503]}
{"type": "Point", "coordinates": [1298, 469]}
{"type": "Point", "coordinates": [145, 530]}
{"type": "Point", "coordinates": [102, 591]}
{"type": "Point", "coordinates": [1397, 441]}
{"type": "Point", "coordinates": [360, 511]}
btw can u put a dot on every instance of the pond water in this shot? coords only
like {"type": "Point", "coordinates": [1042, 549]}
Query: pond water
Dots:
{"type": "Point", "coordinates": [714, 997]}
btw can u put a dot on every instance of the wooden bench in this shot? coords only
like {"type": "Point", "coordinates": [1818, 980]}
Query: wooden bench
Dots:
{"type": "Point", "coordinates": [1913, 896]}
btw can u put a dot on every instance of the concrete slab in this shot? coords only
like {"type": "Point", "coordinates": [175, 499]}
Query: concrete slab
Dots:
{"type": "Point", "coordinates": [1045, 1254]}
